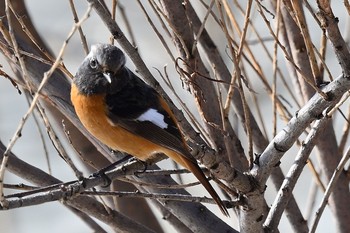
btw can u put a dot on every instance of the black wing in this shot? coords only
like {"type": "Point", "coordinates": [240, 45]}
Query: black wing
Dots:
{"type": "Point", "coordinates": [125, 105]}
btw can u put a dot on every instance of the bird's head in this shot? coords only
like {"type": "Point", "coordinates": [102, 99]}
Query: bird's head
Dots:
{"type": "Point", "coordinates": [99, 69]}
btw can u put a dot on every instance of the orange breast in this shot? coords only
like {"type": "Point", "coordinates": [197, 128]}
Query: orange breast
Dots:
{"type": "Point", "coordinates": [92, 113]}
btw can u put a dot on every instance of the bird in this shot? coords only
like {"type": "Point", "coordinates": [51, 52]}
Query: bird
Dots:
{"type": "Point", "coordinates": [126, 114]}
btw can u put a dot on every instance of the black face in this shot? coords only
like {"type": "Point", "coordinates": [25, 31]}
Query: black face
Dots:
{"type": "Point", "coordinates": [99, 69]}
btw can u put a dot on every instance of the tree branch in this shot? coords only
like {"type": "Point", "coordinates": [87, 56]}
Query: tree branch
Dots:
{"type": "Point", "coordinates": [85, 204]}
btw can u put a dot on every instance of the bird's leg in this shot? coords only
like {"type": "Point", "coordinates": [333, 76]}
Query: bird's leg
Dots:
{"type": "Point", "coordinates": [102, 172]}
{"type": "Point", "coordinates": [143, 170]}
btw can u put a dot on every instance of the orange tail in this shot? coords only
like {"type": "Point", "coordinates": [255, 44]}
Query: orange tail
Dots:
{"type": "Point", "coordinates": [197, 171]}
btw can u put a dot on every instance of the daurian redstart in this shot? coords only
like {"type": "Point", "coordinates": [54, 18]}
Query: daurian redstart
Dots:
{"type": "Point", "coordinates": [127, 115]}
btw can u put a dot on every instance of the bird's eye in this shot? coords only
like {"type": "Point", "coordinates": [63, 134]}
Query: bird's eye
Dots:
{"type": "Point", "coordinates": [93, 63]}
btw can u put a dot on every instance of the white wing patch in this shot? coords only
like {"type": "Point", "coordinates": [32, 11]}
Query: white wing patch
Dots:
{"type": "Point", "coordinates": [155, 117]}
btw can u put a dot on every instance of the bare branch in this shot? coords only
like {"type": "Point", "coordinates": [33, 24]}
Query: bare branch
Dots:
{"type": "Point", "coordinates": [330, 189]}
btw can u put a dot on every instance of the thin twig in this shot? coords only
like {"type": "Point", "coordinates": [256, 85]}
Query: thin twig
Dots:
{"type": "Point", "coordinates": [47, 75]}
{"type": "Point", "coordinates": [340, 103]}
{"type": "Point", "coordinates": [309, 46]}
{"type": "Point", "coordinates": [159, 196]}
{"type": "Point", "coordinates": [57, 143]}
{"type": "Point", "coordinates": [275, 65]}
{"type": "Point", "coordinates": [160, 186]}
{"type": "Point", "coordinates": [156, 31]}
{"type": "Point", "coordinates": [20, 186]}
{"type": "Point", "coordinates": [18, 131]}
{"type": "Point", "coordinates": [329, 189]}
{"type": "Point", "coordinates": [30, 35]}
{"type": "Point", "coordinates": [346, 131]}
{"type": "Point", "coordinates": [43, 142]}
{"type": "Point", "coordinates": [82, 157]}
{"type": "Point", "coordinates": [237, 76]}
{"type": "Point", "coordinates": [80, 30]}
{"type": "Point", "coordinates": [254, 62]}
{"type": "Point", "coordinates": [127, 24]}
{"type": "Point", "coordinates": [311, 200]}
{"type": "Point", "coordinates": [113, 16]}
{"type": "Point", "coordinates": [289, 58]}
{"type": "Point", "coordinates": [199, 33]}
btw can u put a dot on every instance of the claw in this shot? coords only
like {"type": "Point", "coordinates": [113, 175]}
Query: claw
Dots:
{"type": "Point", "coordinates": [102, 173]}
{"type": "Point", "coordinates": [143, 170]}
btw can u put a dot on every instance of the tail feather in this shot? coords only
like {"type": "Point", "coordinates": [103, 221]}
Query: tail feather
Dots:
{"type": "Point", "coordinates": [193, 167]}
{"type": "Point", "coordinates": [197, 171]}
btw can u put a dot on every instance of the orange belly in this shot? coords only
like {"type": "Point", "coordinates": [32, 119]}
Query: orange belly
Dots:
{"type": "Point", "coordinates": [92, 113]}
